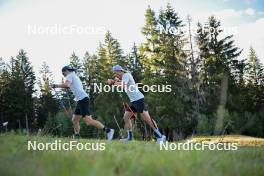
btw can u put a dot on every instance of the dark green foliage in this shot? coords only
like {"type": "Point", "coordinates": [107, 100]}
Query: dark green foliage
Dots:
{"type": "Point", "coordinates": [47, 104]}
{"type": "Point", "coordinates": [213, 90]}
{"type": "Point", "coordinates": [17, 89]}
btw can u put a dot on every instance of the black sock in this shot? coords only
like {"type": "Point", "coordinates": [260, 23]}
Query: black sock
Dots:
{"type": "Point", "coordinates": [107, 130]}
{"type": "Point", "coordinates": [77, 136]}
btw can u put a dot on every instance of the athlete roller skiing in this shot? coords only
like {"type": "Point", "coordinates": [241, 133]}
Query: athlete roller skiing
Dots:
{"type": "Point", "coordinates": [137, 104]}
{"type": "Point", "coordinates": [82, 110]}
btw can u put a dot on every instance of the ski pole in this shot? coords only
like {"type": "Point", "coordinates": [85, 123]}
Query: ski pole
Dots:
{"type": "Point", "coordinates": [130, 110]}
{"type": "Point", "coordinates": [133, 114]}
{"type": "Point", "coordinates": [117, 123]}
{"type": "Point", "coordinates": [61, 102]}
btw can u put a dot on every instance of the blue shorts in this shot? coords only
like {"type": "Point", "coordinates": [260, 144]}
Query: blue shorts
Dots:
{"type": "Point", "coordinates": [137, 106]}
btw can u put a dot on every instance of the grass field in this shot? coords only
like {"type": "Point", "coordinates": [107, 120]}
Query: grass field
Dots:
{"type": "Point", "coordinates": [135, 158]}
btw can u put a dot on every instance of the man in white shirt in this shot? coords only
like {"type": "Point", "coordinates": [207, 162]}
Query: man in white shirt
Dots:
{"type": "Point", "coordinates": [137, 104]}
{"type": "Point", "coordinates": [82, 110]}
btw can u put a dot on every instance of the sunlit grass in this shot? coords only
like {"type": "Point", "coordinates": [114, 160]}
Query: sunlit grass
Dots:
{"type": "Point", "coordinates": [135, 158]}
{"type": "Point", "coordinates": [240, 140]}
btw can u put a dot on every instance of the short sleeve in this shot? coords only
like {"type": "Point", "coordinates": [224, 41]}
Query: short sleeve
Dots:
{"type": "Point", "coordinates": [69, 78]}
{"type": "Point", "coordinates": [125, 78]}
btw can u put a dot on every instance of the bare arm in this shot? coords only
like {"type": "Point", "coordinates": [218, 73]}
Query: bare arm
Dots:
{"type": "Point", "coordinates": [66, 84]}
{"type": "Point", "coordinates": [119, 83]}
{"type": "Point", "coordinates": [116, 82]}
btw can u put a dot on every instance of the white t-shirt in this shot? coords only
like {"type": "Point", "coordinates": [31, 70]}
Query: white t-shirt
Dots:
{"type": "Point", "coordinates": [76, 86]}
{"type": "Point", "coordinates": [132, 90]}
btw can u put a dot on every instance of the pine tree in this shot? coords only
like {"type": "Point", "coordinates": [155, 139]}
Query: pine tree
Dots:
{"type": "Point", "coordinates": [104, 63]}
{"type": "Point", "coordinates": [109, 53]}
{"type": "Point", "coordinates": [75, 63]}
{"type": "Point", "coordinates": [255, 71]}
{"type": "Point", "coordinates": [218, 54]}
{"type": "Point", "coordinates": [114, 51]}
{"type": "Point", "coordinates": [4, 90]}
{"type": "Point", "coordinates": [47, 105]}
{"type": "Point", "coordinates": [134, 64]}
{"type": "Point", "coordinates": [194, 63]}
{"type": "Point", "coordinates": [20, 92]}
{"type": "Point", "coordinates": [150, 30]}
{"type": "Point", "coordinates": [3, 65]}
{"type": "Point", "coordinates": [91, 72]}
{"type": "Point", "coordinates": [164, 62]}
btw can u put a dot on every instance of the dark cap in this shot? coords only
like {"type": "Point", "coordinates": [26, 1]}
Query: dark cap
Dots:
{"type": "Point", "coordinates": [67, 67]}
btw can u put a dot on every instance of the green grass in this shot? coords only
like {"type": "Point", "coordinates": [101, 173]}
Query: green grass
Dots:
{"type": "Point", "coordinates": [135, 158]}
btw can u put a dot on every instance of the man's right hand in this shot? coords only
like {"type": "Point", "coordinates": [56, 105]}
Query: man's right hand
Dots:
{"type": "Point", "coordinates": [110, 81]}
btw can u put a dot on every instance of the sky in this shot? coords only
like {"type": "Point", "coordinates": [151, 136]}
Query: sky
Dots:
{"type": "Point", "coordinates": [51, 30]}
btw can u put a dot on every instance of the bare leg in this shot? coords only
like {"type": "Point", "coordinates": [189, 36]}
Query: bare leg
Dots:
{"type": "Point", "coordinates": [128, 124]}
{"type": "Point", "coordinates": [146, 117]}
{"type": "Point", "coordinates": [90, 121]}
{"type": "Point", "coordinates": [76, 124]}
